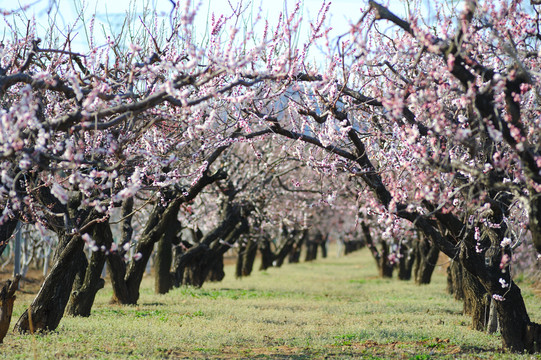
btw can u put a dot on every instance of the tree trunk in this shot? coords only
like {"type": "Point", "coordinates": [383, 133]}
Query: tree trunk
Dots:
{"type": "Point", "coordinates": [117, 271]}
{"type": "Point", "coordinates": [204, 262]}
{"type": "Point", "coordinates": [115, 259]}
{"type": "Point", "coordinates": [455, 286]}
{"type": "Point", "coordinates": [323, 245]}
{"type": "Point", "coordinates": [7, 299]}
{"type": "Point", "coordinates": [534, 219]}
{"type": "Point", "coordinates": [405, 263]}
{"type": "Point", "coordinates": [187, 275]}
{"type": "Point", "coordinates": [50, 302]}
{"type": "Point", "coordinates": [426, 258]}
{"type": "Point", "coordinates": [159, 221]}
{"type": "Point", "coordinates": [386, 268]}
{"type": "Point", "coordinates": [246, 258]}
{"type": "Point", "coordinates": [80, 273]}
{"type": "Point", "coordinates": [312, 244]}
{"type": "Point", "coordinates": [288, 241]}
{"type": "Point", "coordinates": [164, 257]}
{"type": "Point", "coordinates": [476, 301]}
{"type": "Point", "coordinates": [178, 271]}
{"type": "Point", "coordinates": [311, 250]}
{"type": "Point", "coordinates": [295, 253]}
{"type": "Point", "coordinates": [518, 332]}
{"type": "Point", "coordinates": [267, 255]}
{"type": "Point", "coordinates": [352, 245]}
{"type": "Point", "coordinates": [82, 297]}
{"type": "Point", "coordinates": [383, 263]}
{"type": "Point", "coordinates": [6, 230]}
{"type": "Point", "coordinates": [493, 325]}
{"type": "Point", "coordinates": [215, 268]}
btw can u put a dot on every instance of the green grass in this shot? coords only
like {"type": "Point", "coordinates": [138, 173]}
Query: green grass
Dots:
{"type": "Point", "coordinates": [331, 308]}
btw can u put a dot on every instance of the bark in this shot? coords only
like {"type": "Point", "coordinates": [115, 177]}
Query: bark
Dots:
{"type": "Point", "coordinates": [476, 301]}
{"type": "Point", "coordinates": [160, 219]}
{"type": "Point", "coordinates": [493, 325]}
{"type": "Point", "coordinates": [405, 263]}
{"type": "Point", "coordinates": [215, 269]}
{"type": "Point", "coordinates": [311, 250]}
{"type": "Point", "coordinates": [117, 271]}
{"type": "Point", "coordinates": [80, 273]}
{"type": "Point", "coordinates": [82, 297]}
{"type": "Point", "coordinates": [178, 271]}
{"type": "Point", "coordinates": [163, 216]}
{"type": "Point", "coordinates": [246, 258]}
{"type": "Point", "coordinates": [324, 248]}
{"type": "Point", "coordinates": [312, 244]}
{"type": "Point", "coordinates": [300, 238]}
{"type": "Point", "coordinates": [455, 286]}
{"type": "Point", "coordinates": [518, 332]}
{"type": "Point", "coordinates": [115, 260]}
{"type": "Point", "coordinates": [205, 261]}
{"type": "Point", "coordinates": [7, 299]}
{"type": "Point", "coordinates": [267, 255]}
{"type": "Point", "coordinates": [50, 302]}
{"type": "Point", "coordinates": [286, 246]}
{"type": "Point", "coordinates": [353, 245]}
{"type": "Point", "coordinates": [385, 267]}
{"type": "Point", "coordinates": [184, 275]}
{"type": "Point", "coordinates": [6, 230]}
{"type": "Point", "coordinates": [426, 258]}
{"type": "Point", "coordinates": [164, 257]}
{"type": "Point", "coordinates": [534, 220]}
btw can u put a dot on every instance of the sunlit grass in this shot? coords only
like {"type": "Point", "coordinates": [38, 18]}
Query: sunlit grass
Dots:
{"type": "Point", "coordinates": [336, 307]}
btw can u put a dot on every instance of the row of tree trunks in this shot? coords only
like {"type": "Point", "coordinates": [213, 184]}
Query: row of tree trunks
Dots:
{"type": "Point", "coordinates": [419, 258]}
{"type": "Point", "coordinates": [162, 220]}
{"type": "Point", "coordinates": [352, 246]}
{"type": "Point", "coordinates": [204, 262]}
{"type": "Point", "coordinates": [7, 299]}
{"type": "Point", "coordinates": [126, 281]}
{"type": "Point", "coordinates": [276, 258]}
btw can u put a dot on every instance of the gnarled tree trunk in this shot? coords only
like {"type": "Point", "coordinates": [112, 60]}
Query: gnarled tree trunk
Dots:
{"type": "Point", "coordinates": [267, 255]}
{"type": "Point", "coordinates": [205, 261]}
{"type": "Point", "coordinates": [164, 258]}
{"type": "Point", "coordinates": [426, 258]}
{"type": "Point", "coordinates": [246, 258]}
{"type": "Point", "coordinates": [82, 296]}
{"type": "Point", "coordinates": [385, 266]}
{"type": "Point", "coordinates": [50, 302]}
{"type": "Point", "coordinates": [6, 230]}
{"type": "Point", "coordinates": [405, 263]}
{"type": "Point", "coordinates": [7, 299]}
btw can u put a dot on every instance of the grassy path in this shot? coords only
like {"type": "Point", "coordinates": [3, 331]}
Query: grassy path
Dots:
{"type": "Point", "coordinates": [332, 308]}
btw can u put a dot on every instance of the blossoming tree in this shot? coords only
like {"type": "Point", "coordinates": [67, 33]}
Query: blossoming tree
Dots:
{"type": "Point", "coordinates": [437, 125]}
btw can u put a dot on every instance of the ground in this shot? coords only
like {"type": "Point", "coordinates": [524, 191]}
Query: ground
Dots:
{"type": "Point", "coordinates": [333, 308]}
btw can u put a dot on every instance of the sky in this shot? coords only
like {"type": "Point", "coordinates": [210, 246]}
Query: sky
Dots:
{"type": "Point", "coordinates": [341, 14]}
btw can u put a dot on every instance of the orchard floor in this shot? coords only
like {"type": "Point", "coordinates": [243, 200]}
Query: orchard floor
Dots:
{"type": "Point", "coordinates": [334, 308]}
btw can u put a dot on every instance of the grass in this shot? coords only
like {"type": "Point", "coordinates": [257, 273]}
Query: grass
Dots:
{"type": "Point", "coordinates": [331, 308]}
